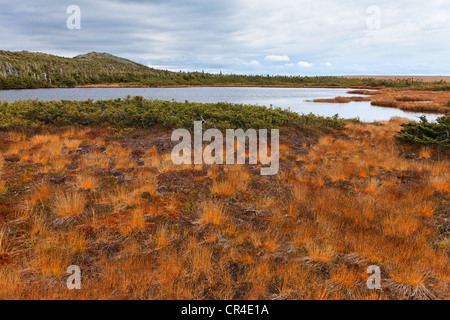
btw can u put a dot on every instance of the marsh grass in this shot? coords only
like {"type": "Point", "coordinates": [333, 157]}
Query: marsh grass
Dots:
{"type": "Point", "coordinates": [340, 203]}
{"type": "Point", "coordinates": [69, 203]}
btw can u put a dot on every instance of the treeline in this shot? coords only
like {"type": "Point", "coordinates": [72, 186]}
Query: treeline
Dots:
{"type": "Point", "coordinates": [141, 113]}
{"type": "Point", "coordinates": [20, 70]}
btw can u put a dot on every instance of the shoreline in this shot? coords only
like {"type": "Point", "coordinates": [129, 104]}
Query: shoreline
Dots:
{"type": "Point", "coordinates": [363, 87]}
{"type": "Point", "coordinates": [117, 85]}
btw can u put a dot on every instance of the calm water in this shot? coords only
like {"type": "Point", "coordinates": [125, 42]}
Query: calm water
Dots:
{"type": "Point", "coordinates": [292, 98]}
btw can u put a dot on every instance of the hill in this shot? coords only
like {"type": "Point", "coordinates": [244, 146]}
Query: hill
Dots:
{"type": "Point", "coordinates": [39, 70]}
{"type": "Point", "coordinates": [106, 56]}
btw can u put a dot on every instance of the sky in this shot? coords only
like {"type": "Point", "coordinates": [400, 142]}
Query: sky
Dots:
{"type": "Point", "coordinates": [289, 37]}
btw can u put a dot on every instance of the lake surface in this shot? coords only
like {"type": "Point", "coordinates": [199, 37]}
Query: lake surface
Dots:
{"type": "Point", "coordinates": [296, 99]}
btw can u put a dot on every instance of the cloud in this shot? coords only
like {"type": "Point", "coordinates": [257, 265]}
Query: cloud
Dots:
{"type": "Point", "coordinates": [328, 64]}
{"type": "Point", "coordinates": [304, 64]}
{"type": "Point", "coordinates": [245, 34]}
{"type": "Point", "coordinates": [277, 58]}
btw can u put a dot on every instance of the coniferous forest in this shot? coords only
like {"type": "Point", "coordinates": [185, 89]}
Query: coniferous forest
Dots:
{"type": "Point", "coordinates": [27, 70]}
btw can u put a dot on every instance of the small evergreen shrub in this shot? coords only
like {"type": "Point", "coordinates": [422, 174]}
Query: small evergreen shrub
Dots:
{"type": "Point", "coordinates": [426, 133]}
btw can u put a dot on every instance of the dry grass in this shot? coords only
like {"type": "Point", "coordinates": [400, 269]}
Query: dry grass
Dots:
{"type": "Point", "coordinates": [44, 138]}
{"type": "Point", "coordinates": [54, 253]}
{"type": "Point", "coordinates": [3, 246]}
{"type": "Point", "coordinates": [372, 186]}
{"type": "Point", "coordinates": [212, 212]}
{"type": "Point", "coordinates": [413, 100]}
{"type": "Point", "coordinates": [319, 253]}
{"type": "Point", "coordinates": [345, 276]}
{"type": "Point", "coordinates": [235, 180]}
{"type": "Point", "coordinates": [72, 143]}
{"type": "Point", "coordinates": [342, 99]}
{"type": "Point", "coordinates": [95, 159]}
{"type": "Point", "coordinates": [41, 193]}
{"type": "Point", "coordinates": [135, 223]}
{"type": "Point", "coordinates": [2, 186]}
{"type": "Point", "coordinates": [69, 203]}
{"type": "Point", "coordinates": [124, 162]}
{"type": "Point", "coordinates": [163, 236]}
{"type": "Point", "coordinates": [140, 227]}
{"type": "Point", "coordinates": [87, 182]}
{"type": "Point", "coordinates": [441, 182]}
{"type": "Point", "coordinates": [408, 100]}
{"type": "Point", "coordinates": [146, 184]}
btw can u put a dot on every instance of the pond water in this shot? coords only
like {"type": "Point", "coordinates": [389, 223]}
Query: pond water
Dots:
{"type": "Point", "coordinates": [296, 99]}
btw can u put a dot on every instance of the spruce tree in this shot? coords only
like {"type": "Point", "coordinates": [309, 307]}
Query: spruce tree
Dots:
{"type": "Point", "coordinates": [426, 133]}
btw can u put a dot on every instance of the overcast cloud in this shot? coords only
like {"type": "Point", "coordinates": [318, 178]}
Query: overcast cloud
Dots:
{"type": "Point", "coordinates": [296, 37]}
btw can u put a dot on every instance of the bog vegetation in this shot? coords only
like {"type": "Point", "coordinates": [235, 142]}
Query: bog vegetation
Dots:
{"type": "Point", "coordinates": [107, 197]}
{"type": "Point", "coordinates": [423, 101]}
{"type": "Point", "coordinates": [141, 113]}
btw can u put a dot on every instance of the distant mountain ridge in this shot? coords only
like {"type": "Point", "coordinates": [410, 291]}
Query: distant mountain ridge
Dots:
{"type": "Point", "coordinates": [97, 55]}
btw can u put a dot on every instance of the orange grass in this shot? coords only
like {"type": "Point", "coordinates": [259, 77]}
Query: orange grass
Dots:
{"type": "Point", "coordinates": [212, 212]}
{"type": "Point", "coordinates": [87, 182]}
{"type": "Point", "coordinates": [69, 204]}
{"type": "Point", "coordinates": [140, 227]}
{"type": "Point", "coordinates": [235, 180]}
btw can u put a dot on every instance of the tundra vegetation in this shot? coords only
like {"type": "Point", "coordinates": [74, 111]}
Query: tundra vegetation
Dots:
{"type": "Point", "coordinates": [92, 184]}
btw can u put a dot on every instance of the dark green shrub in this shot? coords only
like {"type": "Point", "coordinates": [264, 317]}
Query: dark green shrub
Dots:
{"type": "Point", "coordinates": [138, 112]}
{"type": "Point", "coordinates": [426, 133]}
